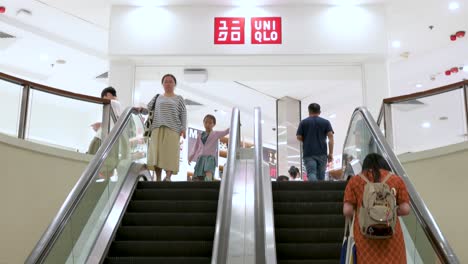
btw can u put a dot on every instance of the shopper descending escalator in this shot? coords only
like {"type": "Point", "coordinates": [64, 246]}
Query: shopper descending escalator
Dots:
{"type": "Point", "coordinates": [205, 150]}
{"type": "Point", "coordinates": [167, 122]}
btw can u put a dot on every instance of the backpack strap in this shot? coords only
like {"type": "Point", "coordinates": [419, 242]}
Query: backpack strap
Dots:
{"type": "Point", "coordinates": [390, 174]}
{"type": "Point", "coordinates": [364, 178]}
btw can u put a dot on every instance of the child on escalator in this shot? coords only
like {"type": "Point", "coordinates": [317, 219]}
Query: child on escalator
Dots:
{"type": "Point", "coordinates": [205, 151]}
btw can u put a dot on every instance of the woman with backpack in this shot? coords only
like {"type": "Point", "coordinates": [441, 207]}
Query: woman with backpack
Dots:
{"type": "Point", "coordinates": [377, 190]}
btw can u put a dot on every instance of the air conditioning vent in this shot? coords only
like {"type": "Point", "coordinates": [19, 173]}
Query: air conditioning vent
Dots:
{"type": "Point", "coordinates": [190, 102]}
{"type": "Point", "coordinates": [4, 35]}
{"type": "Point", "coordinates": [103, 76]}
{"type": "Point", "coordinates": [195, 75]}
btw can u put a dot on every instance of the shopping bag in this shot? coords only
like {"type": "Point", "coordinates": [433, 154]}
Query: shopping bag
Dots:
{"type": "Point", "coordinates": [348, 248]}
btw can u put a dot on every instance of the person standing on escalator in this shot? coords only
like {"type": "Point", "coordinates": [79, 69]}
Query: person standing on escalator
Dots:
{"type": "Point", "coordinates": [169, 124]}
{"type": "Point", "coordinates": [313, 133]}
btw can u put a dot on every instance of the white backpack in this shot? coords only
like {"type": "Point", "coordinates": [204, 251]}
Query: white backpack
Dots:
{"type": "Point", "coordinates": [378, 212]}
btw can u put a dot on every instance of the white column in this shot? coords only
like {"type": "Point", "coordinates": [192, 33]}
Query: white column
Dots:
{"type": "Point", "coordinates": [122, 78]}
{"type": "Point", "coordinates": [375, 85]}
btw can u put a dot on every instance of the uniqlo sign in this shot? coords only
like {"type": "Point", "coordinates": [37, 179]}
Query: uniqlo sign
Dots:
{"type": "Point", "coordinates": [266, 30]}
{"type": "Point", "coordinates": [229, 30]}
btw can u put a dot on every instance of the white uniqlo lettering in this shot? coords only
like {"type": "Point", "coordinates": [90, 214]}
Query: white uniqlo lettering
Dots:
{"type": "Point", "coordinates": [264, 26]}
{"type": "Point", "coordinates": [235, 31]}
{"type": "Point", "coordinates": [223, 34]}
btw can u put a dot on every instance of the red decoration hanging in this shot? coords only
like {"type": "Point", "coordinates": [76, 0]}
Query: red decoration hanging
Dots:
{"type": "Point", "coordinates": [454, 70]}
{"type": "Point", "coordinates": [453, 37]}
{"type": "Point", "coordinates": [448, 73]}
{"type": "Point", "coordinates": [460, 34]}
{"type": "Point", "coordinates": [2, 9]}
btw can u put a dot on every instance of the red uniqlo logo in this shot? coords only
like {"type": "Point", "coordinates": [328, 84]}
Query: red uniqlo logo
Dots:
{"type": "Point", "coordinates": [229, 30]}
{"type": "Point", "coordinates": [266, 30]}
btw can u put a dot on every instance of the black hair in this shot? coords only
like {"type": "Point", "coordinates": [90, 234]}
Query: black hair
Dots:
{"type": "Point", "coordinates": [293, 171]}
{"type": "Point", "coordinates": [282, 178]}
{"type": "Point", "coordinates": [212, 117]}
{"type": "Point", "coordinates": [314, 108]}
{"type": "Point", "coordinates": [110, 90]}
{"type": "Point", "coordinates": [375, 162]}
{"type": "Point", "coordinates": [169, 75]}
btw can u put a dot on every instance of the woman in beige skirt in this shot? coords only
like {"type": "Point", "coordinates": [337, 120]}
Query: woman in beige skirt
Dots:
{"type": "Point", "coordinates": [169, 124]}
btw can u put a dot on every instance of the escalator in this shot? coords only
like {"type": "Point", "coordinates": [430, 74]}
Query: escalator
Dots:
{"type": "Point", "coordinates": [116, 215]}
{"type": "Point", "coordinates": [308, 221]}
{"type": "Point", "coordinates": [167, 222]}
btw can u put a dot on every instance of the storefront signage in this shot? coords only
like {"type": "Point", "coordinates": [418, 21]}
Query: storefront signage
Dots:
{"type": "Point", "coordinates": [231, 30]}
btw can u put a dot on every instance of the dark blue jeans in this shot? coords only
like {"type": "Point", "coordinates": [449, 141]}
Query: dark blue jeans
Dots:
{"type": "Point", "coordinates": [316, 166]}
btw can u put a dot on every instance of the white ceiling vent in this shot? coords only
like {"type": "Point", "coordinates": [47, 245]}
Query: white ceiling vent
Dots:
{"type": "Point", "coordinates": [6, 40]}
{"type": "Point", "coordinates": [195, 75]}
{"type": "Point", "coordinates": [103, 76]}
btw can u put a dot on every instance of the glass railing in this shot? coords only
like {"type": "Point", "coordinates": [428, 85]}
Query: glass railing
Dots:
{"type": "Point", "coordinates": [73, 233]}
{"type": "Point", "coordinates": [425, 120]}
{"type": "Point", "coordinates": [424, 240]}
{"type": "Point", "coordinates": [10, 102]}
{"type": "Point", "coordinates": [50, 116]}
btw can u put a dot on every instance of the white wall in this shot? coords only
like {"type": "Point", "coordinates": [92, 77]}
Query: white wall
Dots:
{"type": "Point", "coordinates": [439, 176]}
{"type": "Point", "coordinates": [36, 179]}
{"type": "Point", "coordinates": [190, 30]}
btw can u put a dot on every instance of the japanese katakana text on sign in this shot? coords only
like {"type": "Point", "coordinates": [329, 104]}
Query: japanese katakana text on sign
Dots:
{"type": "Point", "coordinates": [229, 30]}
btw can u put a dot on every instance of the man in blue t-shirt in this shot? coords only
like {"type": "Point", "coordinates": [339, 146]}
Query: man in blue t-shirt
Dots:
{"type": "Point", "coordinates": [313, 132]}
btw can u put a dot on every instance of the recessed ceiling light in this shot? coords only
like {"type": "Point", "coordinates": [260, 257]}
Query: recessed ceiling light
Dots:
{"type": "Point", "coordinates": [426, 125]}
{"type": "Point", "coordinates": [332, 116]}
{"type": "Point", "coordinates": [263, 121]}
{"type": "Point", "coordinates": [465, 68]}
{"type": "Point", "coordinates": [418, 85]}
{"type": "Point", "coordinates": [396, 44]}
{"type": "Point", "coordinates": [454, 5]}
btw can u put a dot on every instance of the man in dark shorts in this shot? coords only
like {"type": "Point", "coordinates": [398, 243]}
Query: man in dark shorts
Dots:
{"type": "Point", "coordinates": [313, 133]}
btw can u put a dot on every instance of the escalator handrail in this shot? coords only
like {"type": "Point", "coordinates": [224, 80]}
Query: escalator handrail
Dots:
{"type": "Point", "coordinates": [423, 215]}
{"type": "Point", "coordinates": [73, 199]}
{"type": "Point", "coordinates": [265, 243]}
{"type": "Point", "coordinates": [224, 211]}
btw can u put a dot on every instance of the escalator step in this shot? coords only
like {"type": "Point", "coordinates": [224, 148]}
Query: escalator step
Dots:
{"type": "Point", "coordinates": [308, 251]}
{"type": "Point", "coordinates": [308, 186]}
{"type": "Point", "coordinates": [176, 194]}
{"type": "Point", "coordinates": [169, 219]}
{"type": "Point", "coordinates": [172, 206]}
{"type": "Point", "coordinates": [308, 196]}
{"type": "Point", "coordinates": [161, 249]}
{"type": "Point", "coordinates": [309, 235]}
{"type": "Point", "coordinates": [309, 221]}
{"type": "Point", "coordinates": [308, 208]}
{"type": "Point", "coordinates": [155, 260]}
{"type": "Point", "coordinates": [310, 261]}
{"type": "Point", "coordinates": [166, 233]}
{"type": "Point", "coordinates": [178, 185]}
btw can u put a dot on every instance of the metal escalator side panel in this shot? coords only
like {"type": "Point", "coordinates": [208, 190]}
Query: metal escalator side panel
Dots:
{"type": "Point", "coordinates": [423, 215]}
{"type": "Point", "coordinates": [265, 243]}
{"type": "Point", "coordinates": [88, 177]}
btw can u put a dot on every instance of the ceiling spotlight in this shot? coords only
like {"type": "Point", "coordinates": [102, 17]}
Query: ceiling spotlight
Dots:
{"type": "Point", "coordinates": [418, 85]}
{"type": "Point", "coordinates": [396, 44]}
{"type": "Point", "coordinates": [263, 121]}
{"type": "Point", "coordinates": [426, 125]}
{"type": "Point", "coordinates": [332, 116]}
{"type": "Point", "coordinates": [465, 68]}
{"type": "Point", "coordinates": [454, 6]}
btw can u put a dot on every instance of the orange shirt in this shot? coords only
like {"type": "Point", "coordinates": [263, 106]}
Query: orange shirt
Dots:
{"type": "Point", "coordinates": [392, 250]}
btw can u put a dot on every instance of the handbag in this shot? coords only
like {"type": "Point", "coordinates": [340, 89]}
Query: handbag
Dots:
{"type": "Point", "coordinates": [348, 248]}
{"type": "Point", "coordinates": [149, 120]}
